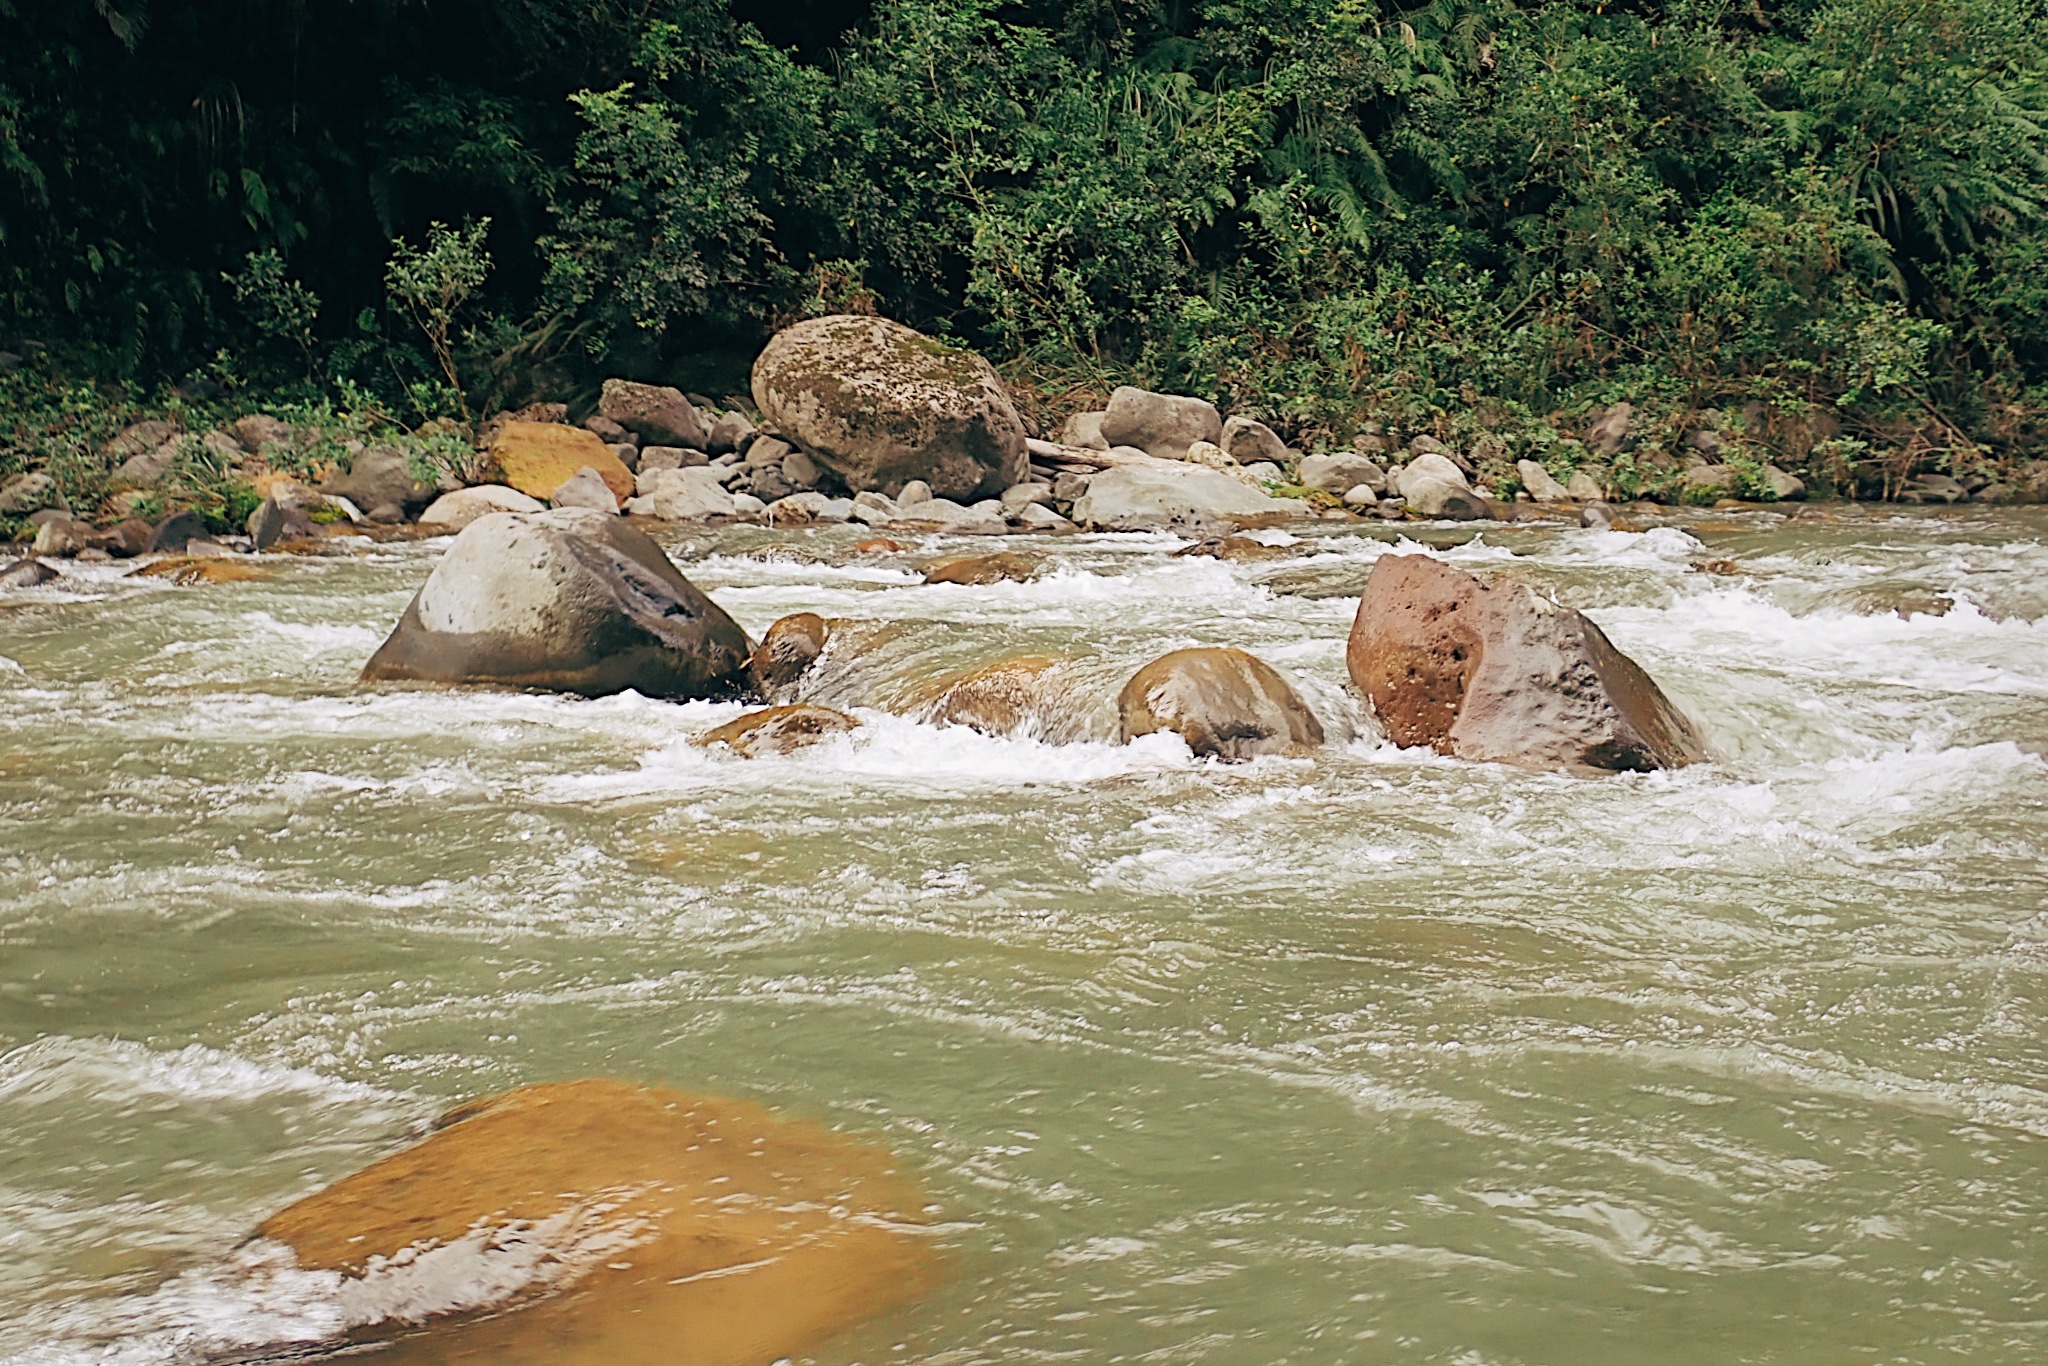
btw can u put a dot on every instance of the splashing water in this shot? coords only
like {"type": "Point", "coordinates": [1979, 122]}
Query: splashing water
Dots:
{"type": "Point", "coordinates": [1370, 1057]}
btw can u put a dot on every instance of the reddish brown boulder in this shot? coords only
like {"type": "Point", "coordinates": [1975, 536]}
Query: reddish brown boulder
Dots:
{"type": "Point", "coordinates": [986, 569]}
{"type": "Point", "coordinates": [1501, 673]}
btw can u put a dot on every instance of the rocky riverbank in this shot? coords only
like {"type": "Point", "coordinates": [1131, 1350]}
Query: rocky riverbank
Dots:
{"type": "Point", "coordinates": [855, 419]}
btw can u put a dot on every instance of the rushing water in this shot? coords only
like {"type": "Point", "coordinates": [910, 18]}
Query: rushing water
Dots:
{"type": "Point", "coordinates": [1375, 1057]}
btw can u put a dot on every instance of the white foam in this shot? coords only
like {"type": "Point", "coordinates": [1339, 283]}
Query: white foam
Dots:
{"type": "Point", "coordinates": [60, 1067]}
{"type": "Point", "coordinates": [886, 750]}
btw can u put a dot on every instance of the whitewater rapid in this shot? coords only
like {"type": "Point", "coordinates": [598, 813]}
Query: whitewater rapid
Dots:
{"type": "Point", "coordinates": [1369, 1056]}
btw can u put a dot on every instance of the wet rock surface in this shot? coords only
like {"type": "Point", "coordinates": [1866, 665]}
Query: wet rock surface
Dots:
{"type": "Point", "coordinates": [778, 730]}
{"type": "Point", "coordinates": [569, 601]}
{"type": "Point", "coordinates": [602, 1221]}
{"type": "Point", "coordinates": [1224, 703]}
{"type": "Point", "coordinates": [1501, 673]}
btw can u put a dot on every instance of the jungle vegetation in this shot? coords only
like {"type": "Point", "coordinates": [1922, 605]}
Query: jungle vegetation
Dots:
{"type": "Point", "coordinates": [1330, 212]}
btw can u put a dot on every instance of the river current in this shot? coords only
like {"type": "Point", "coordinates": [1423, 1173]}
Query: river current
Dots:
{"type": "Point", "coordinates": [1370, 1057]}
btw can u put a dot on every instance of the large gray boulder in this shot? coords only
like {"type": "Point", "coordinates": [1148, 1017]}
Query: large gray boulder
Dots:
{"type": "Point", "coordinates": [880, 405]}
{"type": "Point", "coordinates": [569, 600]}
{"type": "Point", "coordinates": [1138, 499]}
{"type": "Point", "coordinates": [657, 414]}
{"type": "Point", "coordinates": [1341, 472]}
{"type": "Point", "coordinates": [1164, 425]}
{"type": "Point", "coordinates": [380, 476]}
{"type": "Point", "coordinates": [1225, 703]}
{"type": "Point", "coordinates": [1502, 673]}
{"type": "Point", "coordinates": [1248, 441]}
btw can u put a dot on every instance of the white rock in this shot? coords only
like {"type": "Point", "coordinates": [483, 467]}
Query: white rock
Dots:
{"type": "Point", "coordinates": [1339, 472]}
{"type": "Point", "coordinates": [454, 511]}
{"type": "Point", "coordinates": [585, 489]}
{"type": "Point", "coordinates": [810, 507]}
{"type": "Point", "coordinates": [1584, 488]}
{"type": "Point", "coordinates": [686, 495]}
{"type": "Point", "coordinates": [1034, 517]}
{"type": "Point", "coordinates": [875, 509]}
{"type": "Point", "coordinates": [1541, 486]}
{"type": "Point", "coordinates": [1360, 496]}
{"type": "Point", "coordinates": [1248, 442]}
{"type": "Point", "coordinates": [1430, 465]}
{"type": "Point", "coordinates": [1137, 499]}
{"type": "Point", "coordinates": [914, 492]}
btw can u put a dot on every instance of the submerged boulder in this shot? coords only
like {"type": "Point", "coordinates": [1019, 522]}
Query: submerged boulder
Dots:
{"type": "Point", "coordinates": [1501, 673]}
{"type": "Point", "coordinates": [778, 730]}
{"type": "Point", "coordinates": [1007, 566]}
{"type": "Point", "coordinates": [29, 573]}
{"type": "Point", "coordinates": [569, 600]}
{"type": "Point", "coordinates": [1019, 695]}
{"type": "Point", "coordinates": [603, 1221]}
{"type": "Point", "coordinates": [1226, 704]}
{"type": "Point", "coordinates": [880, 404]}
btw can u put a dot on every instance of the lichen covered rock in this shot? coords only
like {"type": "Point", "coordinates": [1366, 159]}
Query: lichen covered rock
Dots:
{"type": "Point", "coordinates": [880, 405]}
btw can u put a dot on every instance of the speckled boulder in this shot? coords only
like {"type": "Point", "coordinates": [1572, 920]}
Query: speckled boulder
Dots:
{"type": "Point", "coordinates": [879, 405]}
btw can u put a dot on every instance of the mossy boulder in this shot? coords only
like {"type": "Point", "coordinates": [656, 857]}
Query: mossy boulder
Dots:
{"type": "Point", "coordinates": [879, 405]}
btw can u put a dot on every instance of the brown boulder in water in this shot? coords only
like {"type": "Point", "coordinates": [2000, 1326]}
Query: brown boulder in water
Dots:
{"type": "Point", "coordinates": [788, 649]}
{"type": "Point", "coordinates": [569, 600]}
{"type": "Point", "coordinates": [1500, 673]}
{"type": "Point", "coordinates": [980, 570]}
{"type": "Point", "coordinates": [615, 1223]}
{"type": "Point", "coordinates": [778, 730]}
{"type": "Point", "coordinates": [1018, 695]}
{"type": "Point", "coordinates": [1224, 703]}
{"type": "Point", "coordinates": [195, 569]}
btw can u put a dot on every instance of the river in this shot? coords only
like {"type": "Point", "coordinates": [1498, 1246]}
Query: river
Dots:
{"type": "Point", "coordinates": [1371, 1057]}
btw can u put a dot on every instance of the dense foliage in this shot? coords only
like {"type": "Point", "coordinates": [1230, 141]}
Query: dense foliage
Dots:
{"type": "Point", "coordinates": [1331, 211]}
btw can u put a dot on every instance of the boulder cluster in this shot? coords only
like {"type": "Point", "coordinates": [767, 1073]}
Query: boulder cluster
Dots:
{"type": "Point", "coordinates": [577, 600]}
